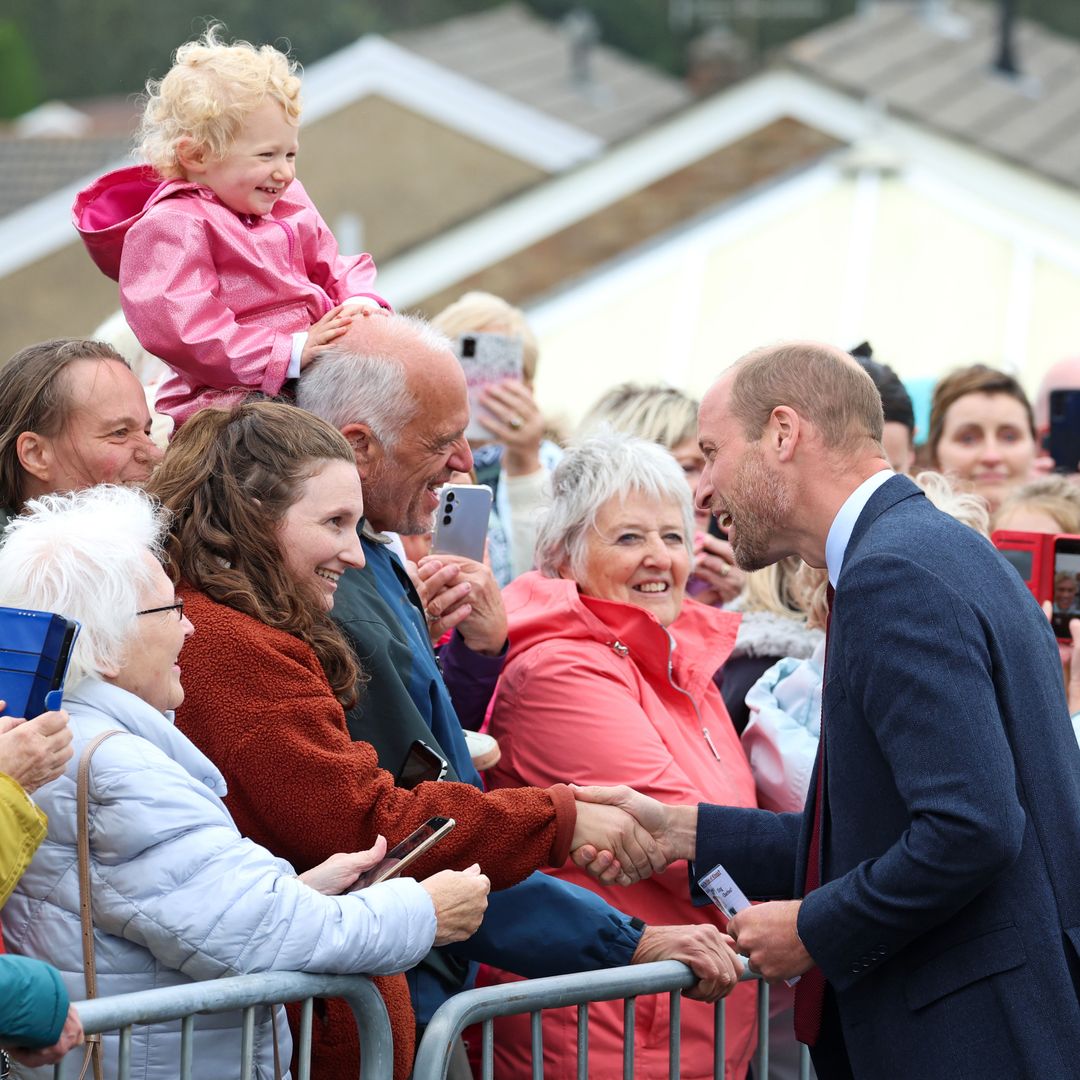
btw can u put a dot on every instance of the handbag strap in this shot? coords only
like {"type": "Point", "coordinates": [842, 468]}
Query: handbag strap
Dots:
{"type": "Point", "coordinates": [86, 914]}
{"type": "Point", "coordinates": [82, 812]}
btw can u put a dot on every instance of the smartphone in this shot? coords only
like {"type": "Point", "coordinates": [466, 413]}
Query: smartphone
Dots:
{"type": "Point", "coordinates": [421, 764]}
{"type": "Point", "coordinates": [1026, 553]}
{"type": "Point", "coordinates": [487, 359]}
{"type": "Point", "coordinates": [402, 855]}
{"type": "Point", "coordinates": [461, 521]}
{"type": "Point", "coordinates": [1066, 585]}
{"type": "Point", "coordinates": [35, 648]}
{"type": "Point", "coordinates": [1050, 567]}
{"type": "Point", "coordinates": [1064, 440]}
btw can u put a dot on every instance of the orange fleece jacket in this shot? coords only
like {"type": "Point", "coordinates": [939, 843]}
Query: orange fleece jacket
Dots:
{"type": "Point", "coordinates": [258, 704]}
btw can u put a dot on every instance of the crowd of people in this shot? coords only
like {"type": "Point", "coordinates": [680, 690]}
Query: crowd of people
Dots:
{"type": "Point", "coordinates": [720, 632]}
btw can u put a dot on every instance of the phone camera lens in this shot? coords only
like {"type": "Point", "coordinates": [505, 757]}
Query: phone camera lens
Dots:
{"type": "Point", "coordinates": [449, 496]}
{"type": "Point", "coordinates": [446, 520]}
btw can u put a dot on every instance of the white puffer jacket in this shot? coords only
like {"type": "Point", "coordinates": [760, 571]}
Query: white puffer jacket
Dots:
{"type": "Point", "coordinates": [179, 895]}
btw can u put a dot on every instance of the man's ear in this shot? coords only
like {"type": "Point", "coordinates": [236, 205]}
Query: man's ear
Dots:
{"type": "Point", "coordinates": [783, 431]}
{"type": "Point", "coordinates": [192, 157]}
{"type": "Point", "coordinates": [367, 450]}
{"type": "Point", "coordinates": [34, 452]}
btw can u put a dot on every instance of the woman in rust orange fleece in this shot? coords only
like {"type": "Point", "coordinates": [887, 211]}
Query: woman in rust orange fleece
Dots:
{"type": "Point", "coordinates": [266, 501]}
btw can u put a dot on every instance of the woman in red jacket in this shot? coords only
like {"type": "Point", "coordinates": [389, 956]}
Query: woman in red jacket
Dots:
{"type": "Point", "coordinates": [609, 681]}
{"type": "Point", "coordinates": [265, 502]}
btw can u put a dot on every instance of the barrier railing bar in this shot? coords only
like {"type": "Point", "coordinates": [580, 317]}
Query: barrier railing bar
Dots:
{"type": "Point", "coordinates": [488, 1049]}
{"type": "Point", "coordinates": [537, 1033]}
{"type": "Point", "coordinates": [719, 1040]}
{"type": "Point", "coordinates": [674, 1034]}
{"type": "Point", "coordinates": [247, 1045]}
{"type": "Point", "coordinates": [123, 1065]}
{"type": "Point", "coordinates": [187, 1046]}
{"type": "Point", "coordinates": [222, 995]}
{"type": "Point", "coordinates": [583, 1042]}
{"type": "Point", "coordinates": [762, 1067]}
{"type": "Point", "coordinates": [629, 1012]}
{"type": "Point", "coordinates": [307, 1011]}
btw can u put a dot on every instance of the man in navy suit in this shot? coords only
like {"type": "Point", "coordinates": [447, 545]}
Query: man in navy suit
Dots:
{"type": "Point", "coordinates": [929, 894]}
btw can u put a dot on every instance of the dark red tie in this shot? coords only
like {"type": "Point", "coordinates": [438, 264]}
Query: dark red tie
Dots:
{"type": "Point", "coordinates": [810, 991]}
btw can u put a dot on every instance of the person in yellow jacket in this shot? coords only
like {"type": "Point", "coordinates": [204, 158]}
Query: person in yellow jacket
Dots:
{"type": "Point", "coordinates": [38, 1024]}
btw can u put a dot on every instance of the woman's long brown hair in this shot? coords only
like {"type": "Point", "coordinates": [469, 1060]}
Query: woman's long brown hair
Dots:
{"type": "Point", "coordinates": [228, 479]}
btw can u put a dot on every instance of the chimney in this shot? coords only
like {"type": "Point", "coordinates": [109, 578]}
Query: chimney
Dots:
{"type": "Point", "coordinates": [582, 32]}
{"type": "Point", "coordinates": [1005, 63]}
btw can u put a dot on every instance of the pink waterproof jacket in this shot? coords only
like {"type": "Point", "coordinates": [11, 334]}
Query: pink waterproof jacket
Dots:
{"type": "Point", "coordinates": [598, 692]}
{"type": "Point", "coordinates": [217, 295]}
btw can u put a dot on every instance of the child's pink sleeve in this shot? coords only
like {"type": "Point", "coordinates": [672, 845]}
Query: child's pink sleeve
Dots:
{"type": "Point", "coordinates": [169, 292]}
{"type": "Point", "coordinates": [341, 276]}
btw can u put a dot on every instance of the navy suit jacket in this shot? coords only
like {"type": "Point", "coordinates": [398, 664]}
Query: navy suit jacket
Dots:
{"type": "Point", "coordinates": [948, 919]}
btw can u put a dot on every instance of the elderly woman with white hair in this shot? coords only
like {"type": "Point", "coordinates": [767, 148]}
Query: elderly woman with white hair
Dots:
{"type": "Point", "coordinates": [609, 681]}
{"type": "Point", "coordinates": [177, 894]}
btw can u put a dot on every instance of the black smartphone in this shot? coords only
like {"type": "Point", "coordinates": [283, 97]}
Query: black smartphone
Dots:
{"type": "Point", "coordinates": [1064, 440]}
{"type": "Point", "coordinates": [1066, 594]}
{"type": "Point", "coordinates": [402, 855]}
{"type": "Point", "coordinates": [421, 764]}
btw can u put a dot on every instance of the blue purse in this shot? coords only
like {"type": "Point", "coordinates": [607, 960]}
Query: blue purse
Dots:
{"type": "Point", "coordinates": [35, 647]}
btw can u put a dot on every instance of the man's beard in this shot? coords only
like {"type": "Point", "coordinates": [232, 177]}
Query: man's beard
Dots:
{"type": "Point", "coordinates": [759, 505]}
{"type": "Point", "coordinates": [383, 507]}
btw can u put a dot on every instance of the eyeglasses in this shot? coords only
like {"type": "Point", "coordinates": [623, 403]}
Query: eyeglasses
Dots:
{"type": "Point", "coordinates": [178, 607]}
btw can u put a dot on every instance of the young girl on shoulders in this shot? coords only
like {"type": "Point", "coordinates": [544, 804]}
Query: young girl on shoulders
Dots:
{"type": "Point", "coordinates": [226, 270]}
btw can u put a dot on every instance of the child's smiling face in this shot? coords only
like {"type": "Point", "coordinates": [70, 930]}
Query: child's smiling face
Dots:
{"type": "Point", "coordinates": [259, 166]}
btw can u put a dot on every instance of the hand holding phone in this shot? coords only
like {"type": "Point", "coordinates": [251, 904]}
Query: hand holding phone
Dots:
{"type": "Point", "coordinates": [338, 874]}
{"type": "Point", "coordinates": [35, 752]}
{"type": "Point", "coordinates": [462, 594]}
{"type": "Point", "coordinates": [486, 359]}
{"type": "Point", "coordinates": [403, 855]}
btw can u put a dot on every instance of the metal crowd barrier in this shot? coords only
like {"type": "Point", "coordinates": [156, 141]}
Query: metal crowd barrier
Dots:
{"type": "Point", "coordinates": [247, 992]}
{"type": "Point", "coordinates": [243, 992]}
{"type": "Point", "coordinates": [628, 983]}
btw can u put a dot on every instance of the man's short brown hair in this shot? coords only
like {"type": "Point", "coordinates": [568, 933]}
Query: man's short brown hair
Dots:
{"type": "Point", "coordinates": [822, 384]}
{"type": "Point", "coordinates": [34, 397]}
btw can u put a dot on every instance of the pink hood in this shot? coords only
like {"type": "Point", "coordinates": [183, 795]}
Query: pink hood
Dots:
{"type": "Point", "coordinates": [540, 609]}
{"type": "Point", "coordinates": [104, 211]}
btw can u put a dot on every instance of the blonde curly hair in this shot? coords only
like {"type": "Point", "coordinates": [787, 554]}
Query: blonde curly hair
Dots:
{"type": "Point", "coordinates": [207, 95]}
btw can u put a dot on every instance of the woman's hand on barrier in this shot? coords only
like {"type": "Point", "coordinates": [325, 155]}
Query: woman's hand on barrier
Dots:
{"type": "Point", "coordinates": [706, 951]}
{"type": "Point", "coordinates": [334, 876]}
{"type": "Point", "coordinates": [34, 752]}
{"type": "Point", "coordinates": [70, 1037]}
{"type": "Point", "coordinates": [460, 899]}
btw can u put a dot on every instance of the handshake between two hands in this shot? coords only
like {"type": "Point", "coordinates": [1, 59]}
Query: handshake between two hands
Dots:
{"type": "Point", "coordinates": [622, 837]}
